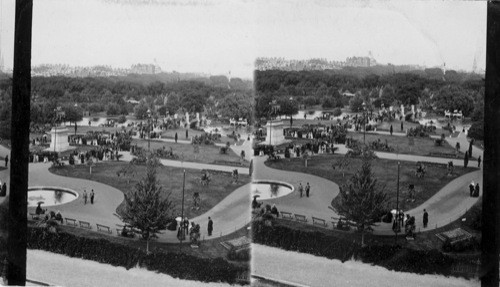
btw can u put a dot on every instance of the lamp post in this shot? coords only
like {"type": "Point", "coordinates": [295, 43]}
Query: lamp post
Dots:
{"type": "Point", "coordinates": [55, 129]}
{"type": "Point", "coordinates": [149, 128]}
{"type": "Point", "coordinates": [181, 237]}
{"type": "Point", "coordinates": [364, 122]}
{"type": "Point", "coordinates": [396, 230]}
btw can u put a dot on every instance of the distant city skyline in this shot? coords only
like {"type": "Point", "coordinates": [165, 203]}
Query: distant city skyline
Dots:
{"type": "Point", "coordinates": [216, 36]}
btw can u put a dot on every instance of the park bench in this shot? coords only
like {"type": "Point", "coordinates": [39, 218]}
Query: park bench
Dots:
{"type": "Point", "coordinates": [300, 218]}
{"type": "Point", "coordinates": [103, 228]}
{"type": "Point", "coordinates": [286, 215]}
{"type": "Point", "coordinates": [85, 224]}
{"type": "Point", "coordinates": [35, 216]}
{"type": "Point", "coordinates": [70, 221]}
{"type": "Point", "coordinates": [319, 221]}
{"type": "Point", "coordinates": [345, 223]}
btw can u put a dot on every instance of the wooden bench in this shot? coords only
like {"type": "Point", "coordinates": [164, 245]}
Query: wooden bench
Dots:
{"type": "Point", "coordinates": [300, 218]}
{"type": "Point", "coordinates": [85, 224]}
{"type": "Point", "coordinates": [286, 215]}
{"type": "Point", "coordinates": [35, 216]}
{"type": "Point", "coordinates": [70, 221]}
{"type": "Point", "coordinates": [319, 221]}
{"type": "Point", "coordinates": [103, 228]}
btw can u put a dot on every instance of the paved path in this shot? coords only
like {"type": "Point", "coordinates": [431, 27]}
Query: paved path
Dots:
{"type": "Point", "coordinates": [446, 205]}
{"type": "Point", "coordinates": [233, 211]}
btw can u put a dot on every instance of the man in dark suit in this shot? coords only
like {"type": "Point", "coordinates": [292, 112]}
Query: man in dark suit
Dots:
{"type": "Point", "coordinates": [210, 227]}
{"type": "Point", "coordinates": [426, 218]}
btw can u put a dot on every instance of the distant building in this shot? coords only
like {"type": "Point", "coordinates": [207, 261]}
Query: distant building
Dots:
{"type": "Point", "coordinates": [145, 69]}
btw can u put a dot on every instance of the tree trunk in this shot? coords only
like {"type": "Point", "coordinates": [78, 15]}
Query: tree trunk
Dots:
{"type": "Point", "coordinates": [147, 246]}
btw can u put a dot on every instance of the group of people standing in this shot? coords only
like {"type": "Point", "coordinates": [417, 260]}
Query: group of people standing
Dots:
{"type": "Point", "coordinates": [86, 196]}
{"type": "Point", "coordinates": [194, 230]}
{"type": "Point", "coordinates": [474, 189]}
{"type": "Point", "coordinates": [307, 189]}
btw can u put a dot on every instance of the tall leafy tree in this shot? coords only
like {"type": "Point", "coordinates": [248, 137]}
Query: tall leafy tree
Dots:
{"type": "Point", "coordinates": [361, 199]}
{"type": "Point", "coordinates": [146, 208]}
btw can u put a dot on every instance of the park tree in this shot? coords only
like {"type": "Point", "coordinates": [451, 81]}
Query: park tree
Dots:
{"type": "Point", "coordinates": [146, 208]}
{"type": "Point", "coordinates": [141, 111]}
{"type": "Point", "coordinates": [453, 97]}
{"type": "Point", "coordinates": [113, 109]}
{"type": "Point", "coordinates": [356, 104]}
{"type": "Point", "coordinates": [236, 105]}
{"type": "Point", "coordinates": [361, 199]}
{"type": "Point", "coordinates": [72, 114]}
{"type": "Point", "coordinates": [288, 107]}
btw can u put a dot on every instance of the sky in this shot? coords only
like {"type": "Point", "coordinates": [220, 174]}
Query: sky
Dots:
{"type": "Point", "coordinates": [222, 36]}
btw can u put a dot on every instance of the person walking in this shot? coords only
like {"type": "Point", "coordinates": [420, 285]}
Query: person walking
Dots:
{"type": "Point", "coordinates": [426, 218]}
{"type": "Point", "coordinates": [6, 160]}
{"type": "Point", "coordinates": [308, 189]}
{"type": "Point", "coordinates": [457, 146]}
{"type": "Point", "coordinates": [210, 226]}
{"type": "Point", "coordinates": [301, 189]}
{"type": "Point", "coordinates": [92, 197]}
{"type": "Point", "coordinates": [476, 190]}
{"type": "Point", "coordinates": [176, 137]}
{"type": "Point", "coordinates": [471, 188]}
{"type": "Point", "coordinates": [479, 161]}
{"type": "Point", "coordinates": [85, 196]}
{"type": "Point", "coordinates": [390, 130]}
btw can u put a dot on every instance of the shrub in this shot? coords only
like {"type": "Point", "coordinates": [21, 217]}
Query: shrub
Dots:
{"type": "Point", "coordinates": [121, 119]}
{"type": "Point", "coordinates": [476, 130]}
{"type": "Point", "coordinates": [337, 112]}
{"type": "Point", "coordinates": [177, 265]}
{"type": "Point", "coordinates": [316, 243]}
{"type": "Point", "coordinates": [239, 255]}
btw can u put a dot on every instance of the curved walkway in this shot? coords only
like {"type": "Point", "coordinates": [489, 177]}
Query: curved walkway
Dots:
{"type": "Point", "coordinates": [233, 212]}
{"type": "Point", "coordinates": [447, 205]}
{"type": "Point", "coordinates": [230, 214]}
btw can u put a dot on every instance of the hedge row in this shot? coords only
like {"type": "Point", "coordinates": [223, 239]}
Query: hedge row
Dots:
{"type": "Point", "coordinates": [177, 265]}
{"type": "Point", "coordinates": [316, 243]}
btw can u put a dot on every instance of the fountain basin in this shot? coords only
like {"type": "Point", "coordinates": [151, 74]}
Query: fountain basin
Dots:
{"type": "Point", "coordinates": [269, 189]}
{"type": "Point", "coordinates": [51, 196]}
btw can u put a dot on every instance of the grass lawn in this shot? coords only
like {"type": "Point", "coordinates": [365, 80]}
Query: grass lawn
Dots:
{"type": "Point", "coordinates": [171, 179]}
{"type": "Point", "coordinates": [421, 146]}
{"type": "Point", "coordinates": [208, 154]}
{"type": "Point", "coordinates": [385, 171]}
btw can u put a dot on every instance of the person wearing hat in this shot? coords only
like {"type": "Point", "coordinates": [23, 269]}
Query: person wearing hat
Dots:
{"type": "Point", "coordinates": [471, 188]}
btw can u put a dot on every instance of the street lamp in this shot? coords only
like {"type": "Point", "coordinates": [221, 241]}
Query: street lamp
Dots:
{"type": "Point", "coordinates": [149, 128]}
{"type": "Point", "coordinates": [181, 237]}
{"type": "Point", "coordinates": [364, 122]}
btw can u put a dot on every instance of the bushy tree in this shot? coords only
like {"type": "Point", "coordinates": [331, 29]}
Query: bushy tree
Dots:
{"type": "Point", "coordinates": [113, 109]}
{"type": "Point", "coordinates": [146, 208]}
{"type": "Point", "coordinates": [356, 104]}
{"type": "Point", "coordinates": [361, 199]}
{"type": "Point", "coordinates": [141, 111]}
{"type": "Point", "coordinates": [453, 97]}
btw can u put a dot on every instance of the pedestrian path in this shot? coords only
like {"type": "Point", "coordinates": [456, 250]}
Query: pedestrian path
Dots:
{"type": "Point", "coordinates": [447, 205]}
{"type": "Point", "coordinates": [233, 212]}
